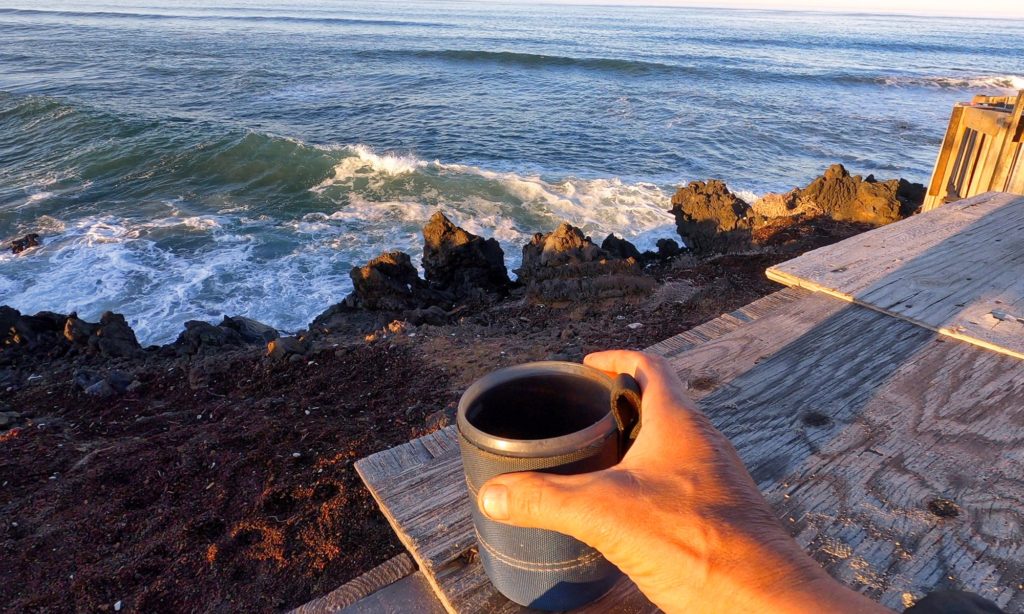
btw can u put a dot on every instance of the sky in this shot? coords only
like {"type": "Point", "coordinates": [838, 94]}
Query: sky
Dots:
{"type": "Point", "coordinates": [985, 8]}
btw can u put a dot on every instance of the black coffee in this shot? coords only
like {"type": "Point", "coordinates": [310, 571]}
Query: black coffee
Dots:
{"type": "Point", "coordinates": [540, 407]}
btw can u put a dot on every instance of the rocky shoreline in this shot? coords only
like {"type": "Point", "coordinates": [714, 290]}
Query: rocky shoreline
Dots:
{"type": "Point", "coordinates": [214, 472]}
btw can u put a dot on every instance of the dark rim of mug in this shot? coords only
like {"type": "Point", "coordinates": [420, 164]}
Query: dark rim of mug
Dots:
{"type": "Point", "coordinates": [535, 448]}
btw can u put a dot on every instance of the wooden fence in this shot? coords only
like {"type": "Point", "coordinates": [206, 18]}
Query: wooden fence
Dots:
{"type": "Point", "coordinates": [982, 150]}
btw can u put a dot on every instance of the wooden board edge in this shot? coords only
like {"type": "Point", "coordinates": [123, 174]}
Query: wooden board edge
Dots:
{"type": "Point", "coordinates": [782, 277]}
{"type": "Point", "coordinates": [409, 546]}
{"type": "Point", "coordinates": [387, 573]}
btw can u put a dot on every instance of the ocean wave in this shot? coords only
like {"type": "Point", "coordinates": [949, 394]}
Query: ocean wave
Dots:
{"type": "Point", "coordinates": [225, 17]}
{"type": "Point", "coordinates": [174, 263]}
{"type": "Point", "coordinates": [535, 60]}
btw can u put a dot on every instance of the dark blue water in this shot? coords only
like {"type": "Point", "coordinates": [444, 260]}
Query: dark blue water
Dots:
{"type": "Point", "coordinates": [239, 157]}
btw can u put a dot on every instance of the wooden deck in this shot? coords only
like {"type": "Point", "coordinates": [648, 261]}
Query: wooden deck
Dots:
{"type": "Point", "coordinates": [892, 449]}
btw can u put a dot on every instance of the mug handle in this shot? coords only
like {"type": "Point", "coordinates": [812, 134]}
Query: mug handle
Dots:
{"type": "Point", "coordinates": [626, 409]}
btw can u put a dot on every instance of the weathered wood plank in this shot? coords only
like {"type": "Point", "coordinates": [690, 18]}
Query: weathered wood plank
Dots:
{"type": "Point", "coordinates": [386, 573]}
{"type": "Point", "coordinates": [727, 323]}
{"type": "Point", "coordinates": [957, 270]}
{"type": "Point", "coordinates": [709, 365]}
{"type": "Point", "coordinates": [411, 594]}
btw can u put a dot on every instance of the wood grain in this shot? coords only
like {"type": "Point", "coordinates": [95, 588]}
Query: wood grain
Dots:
{"type": "Point", "coordinates": [957, 270]}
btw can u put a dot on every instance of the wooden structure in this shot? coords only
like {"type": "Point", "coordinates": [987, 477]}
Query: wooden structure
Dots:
{"type": "Point", "coordinates": [889, 441]}
{"type": "Point", "coordinates": [982, 150]}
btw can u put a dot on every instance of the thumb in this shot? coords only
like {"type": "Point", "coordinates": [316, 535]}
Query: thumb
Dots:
{"type": "Point", "coordinates": [534, 501]}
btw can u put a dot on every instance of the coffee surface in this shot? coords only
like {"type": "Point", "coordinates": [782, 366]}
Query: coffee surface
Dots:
{"type": "Point", "coordinates": [540, 407]}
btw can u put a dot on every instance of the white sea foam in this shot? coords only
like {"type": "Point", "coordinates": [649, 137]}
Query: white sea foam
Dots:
{"type": "Point", "coordinates": [240, 260]}
{"type": "Point", "coordinates": [982, 82]}
{"type": "Point", "coordinates": [365, 163]}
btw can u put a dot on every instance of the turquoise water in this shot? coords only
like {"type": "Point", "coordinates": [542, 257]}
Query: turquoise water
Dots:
{"type": "Point", "coordinates": [239, 157]}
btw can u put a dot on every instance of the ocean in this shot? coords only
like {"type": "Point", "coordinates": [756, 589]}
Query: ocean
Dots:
{"type": "Point", "coordinates": [239, 157]}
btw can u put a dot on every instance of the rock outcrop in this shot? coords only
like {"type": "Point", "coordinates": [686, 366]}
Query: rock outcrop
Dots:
{"type": "Point", "coordinates": [250, 330]}
{"type": "Point", "coordinates": [565, 265]}
{"type": "Point", "coordinates": [389, 282]}
{"type": "Point", "coordinates": [28, 241]}
{"type": "Point", "coordinates": [710, 218]}
{"type": "Point", "coordinates": [462, 263]}
{"type": "Point", "coordinates": [233, 331]}
{"type": "Point", "coordinates": [845, 198]}
{"type": "Point", "coordinates": [46, 331]}
{"type": "Point", "coordinates": [619, 248]}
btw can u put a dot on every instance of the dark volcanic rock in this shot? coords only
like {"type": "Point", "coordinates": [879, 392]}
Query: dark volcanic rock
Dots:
{"type": "Point", "coordinates": [284, 347]}
{"type": "Point", "coordinates": [430, 315]}
{"type": "Point", "coordinates": [113, 337]}
{"type": "Point", "coordinates": [202, 336]}
{"type": "Point", "coordinates": [565, 265]}
{"type": "Point", "coordinates": [41, 332]}
{"type": "Point", "coordinates": [389, 282]}
{"type": "Point", "coordinates": [460, 262]}
{"type": "Point", "coordinates": [250, 330]}
{"type": "Point", "coordinates": [668, 248]}
{"type": "Point", "coordinates": [28, 241]}
{"type": "Point", "coordinates": [710, 218]}
{"type": "Point", "coordinates": [619, 248]}
{"type": "Point", "coordinates": [50, 332]}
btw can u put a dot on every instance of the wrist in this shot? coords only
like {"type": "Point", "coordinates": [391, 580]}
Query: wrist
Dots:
{"type": "Point", "coordinates": [776, 575]}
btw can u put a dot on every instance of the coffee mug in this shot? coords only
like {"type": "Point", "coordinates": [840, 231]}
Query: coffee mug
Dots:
{"type": "Point", "coordinates": [554, 417]}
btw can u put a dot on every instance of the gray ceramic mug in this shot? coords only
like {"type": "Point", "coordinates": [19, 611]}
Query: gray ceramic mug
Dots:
{"type": "Point", "coordinates": [555, 417]}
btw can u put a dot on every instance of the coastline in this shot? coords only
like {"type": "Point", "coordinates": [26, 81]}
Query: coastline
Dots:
{"type": "Point", "coordinates": [216, 472]}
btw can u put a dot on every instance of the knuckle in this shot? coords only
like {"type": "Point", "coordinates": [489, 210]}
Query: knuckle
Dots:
{"type": "Point", "coordinates": [531, 498]}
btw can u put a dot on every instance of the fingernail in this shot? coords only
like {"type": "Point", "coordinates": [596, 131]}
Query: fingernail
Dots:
{"type": "Point", "coordinates": [495, 501]}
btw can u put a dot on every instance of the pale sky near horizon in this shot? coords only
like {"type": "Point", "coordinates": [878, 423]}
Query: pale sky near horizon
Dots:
{"type": "Point", "coordinates": [986, 8]}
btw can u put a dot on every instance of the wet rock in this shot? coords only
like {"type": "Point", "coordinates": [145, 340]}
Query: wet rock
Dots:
{"type": "Point", "coordinates": [389, 282]}
{"type": "Point", "coordinates": [284, 347]}
{"type": "Point", "coordinates": [202, 336]}
{"type": "Point", "coordinates": [619, 248]}
{"type": "Point", "coordinates": [42, 332]}
{"type": "Point", "coordinates": [565, 265]}
{"type": "Point", "coordinates": [250, 330]}
{"type": "Point", "coordinates": [710, 218]}
{"type": "Point", "coordinates": [460, 262]}
{"type": "Point", "coordinates": [27, 242]}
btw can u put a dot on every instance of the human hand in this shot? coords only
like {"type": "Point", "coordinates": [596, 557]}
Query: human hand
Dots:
{"type": "Point", "coordinates": [680, 515]}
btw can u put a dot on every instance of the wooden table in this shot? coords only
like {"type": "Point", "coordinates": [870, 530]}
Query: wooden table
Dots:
{"type": "Point", "coordinates": [888, 439]}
